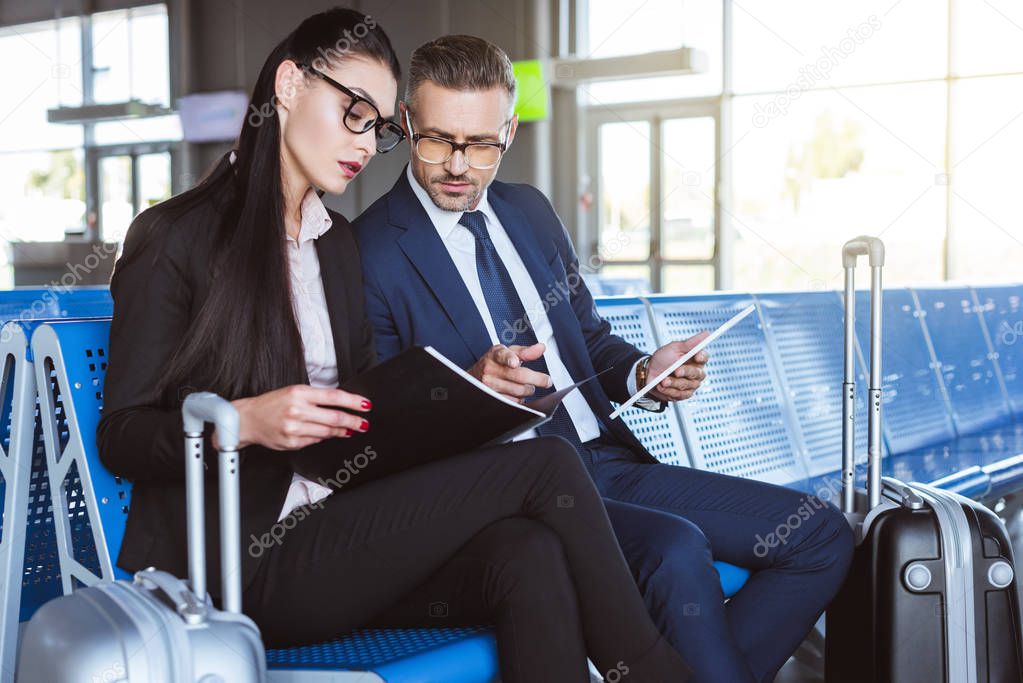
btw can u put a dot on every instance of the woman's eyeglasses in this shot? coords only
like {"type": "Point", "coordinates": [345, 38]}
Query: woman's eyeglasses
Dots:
{"type": "Point", "coordinates": [437, 150]}
{"type": "Point", "coordinates": [361, 115]}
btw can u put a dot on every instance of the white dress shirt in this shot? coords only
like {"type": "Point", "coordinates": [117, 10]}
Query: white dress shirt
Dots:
{"type": "Point", "coordinates": [310, 306]}
{"type": "Point", "coordinates": [461, 245]}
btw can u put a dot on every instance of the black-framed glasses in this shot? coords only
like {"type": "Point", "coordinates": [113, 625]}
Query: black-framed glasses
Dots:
{"type": "Point", "coordinates": [437, 150]}
{"type": "Point", "coordinates": [361, 115]}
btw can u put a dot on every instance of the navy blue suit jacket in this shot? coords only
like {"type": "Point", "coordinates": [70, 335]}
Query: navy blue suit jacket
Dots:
{"type": "Point", "coordinates": [415, 295]}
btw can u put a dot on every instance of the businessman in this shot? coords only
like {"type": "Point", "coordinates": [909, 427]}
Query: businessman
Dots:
{"type": "Point", "coordinates": [485, 272]}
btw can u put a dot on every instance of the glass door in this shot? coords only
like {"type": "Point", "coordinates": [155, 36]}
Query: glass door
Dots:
{"type": "Point", "coordinates": [655, 219]}
{"type": "Point", "coordinates": [687, 202]}
{"type": "Point", "coordinates": [128, 184]}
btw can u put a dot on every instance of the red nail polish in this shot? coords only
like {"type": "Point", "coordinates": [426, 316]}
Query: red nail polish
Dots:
{"type": "Point", "coordinates": [364, 426]}
{"type": "Point", "coordinates": [366, 405]}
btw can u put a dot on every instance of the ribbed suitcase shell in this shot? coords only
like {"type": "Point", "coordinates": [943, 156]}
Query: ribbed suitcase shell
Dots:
{"type": "Point", "coordinates": [963, 628]}
{"type": "Point", "coordinates": [158, 628]}
{"type": "Point", "coordinates": [129, 631]}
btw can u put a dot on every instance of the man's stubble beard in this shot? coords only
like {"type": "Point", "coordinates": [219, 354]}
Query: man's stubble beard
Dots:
{"type": "Point", "coordinates": [448, 203]}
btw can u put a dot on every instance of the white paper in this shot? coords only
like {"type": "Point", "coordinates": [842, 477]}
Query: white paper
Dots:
{"type": "Point", "coordinates": [677, 364]}
{"type": "Point", "coordinates": [478, 384]}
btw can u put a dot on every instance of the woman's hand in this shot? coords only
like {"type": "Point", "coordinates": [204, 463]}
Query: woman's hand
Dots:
{"type": "Point", "coordinates": [293, 417]}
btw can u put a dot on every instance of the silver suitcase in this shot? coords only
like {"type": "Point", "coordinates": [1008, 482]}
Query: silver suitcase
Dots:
{"type": "Point", "coordinates": [157, 628]}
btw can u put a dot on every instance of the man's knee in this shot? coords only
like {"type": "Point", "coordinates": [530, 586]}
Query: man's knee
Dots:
{"type": "Point", "coordinates": [829, 539]}
{"type": "Point", "coordinates": [673, 549]}
{"type": "Point", "coordinates": [842, 541]}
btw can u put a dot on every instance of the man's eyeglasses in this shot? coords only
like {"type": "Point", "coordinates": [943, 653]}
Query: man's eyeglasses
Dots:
{"type": "Point", "coordinates": [437, 150]}
{"type": "Point", "coordinates": [361, 115]}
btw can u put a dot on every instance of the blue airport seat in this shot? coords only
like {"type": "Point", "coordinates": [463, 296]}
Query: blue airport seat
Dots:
{"type": "Point", "coordinates": [944, 465]}
{"type": "Point", "coordinates": [36, 303]}
{"type": "Point", "coordinates": [31, 571]}
{"type": "Point", "coordinates": [1001, 310]}
{"type": "Point", "coordinates": [979, 456]}
{"type": "Point", "coordinates": [732, 577]}
{"type": "Point", "coordinates": [806, 331]}
{"type": "Point", "coordinates": [914, 406]}
{"type": "Point", "coordinates": [90, 515]}
{"type": "Point", "coordinates": [956, 335]}
{"type": "Point", "coordinates": [661, 433]}
{"type": "Point", "coordinates": [71, 364]}
{"type": "Point", "coordinates": [424, 655]}
{"type": "Point", "coordinates": [738, 423]}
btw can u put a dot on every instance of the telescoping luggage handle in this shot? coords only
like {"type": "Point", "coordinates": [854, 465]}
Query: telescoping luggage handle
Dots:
{"type": "Point", "coordinates": [198, 409]}
{"type": "Point", "coordinates": [873, 249]}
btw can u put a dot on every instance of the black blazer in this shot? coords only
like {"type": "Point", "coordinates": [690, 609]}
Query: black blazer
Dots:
{"type": "Point", "coordinates": [157, 294]}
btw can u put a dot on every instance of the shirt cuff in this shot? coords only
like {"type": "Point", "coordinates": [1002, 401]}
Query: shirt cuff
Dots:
{"type": "Point", "coordinates": [646, 403]}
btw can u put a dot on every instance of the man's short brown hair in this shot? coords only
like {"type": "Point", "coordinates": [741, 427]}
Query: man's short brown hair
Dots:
{"type": "Point", "coordinates": [460, 62]}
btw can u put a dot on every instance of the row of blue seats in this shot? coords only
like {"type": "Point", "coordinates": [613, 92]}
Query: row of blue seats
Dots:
{"type": "Point", "coordinates": [769, 410]}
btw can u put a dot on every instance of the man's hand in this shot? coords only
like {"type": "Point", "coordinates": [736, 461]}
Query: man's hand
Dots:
{"type": "Point", "coordinates": [683, 383]}
{"type": "Point", "coordinates": [501, 369]}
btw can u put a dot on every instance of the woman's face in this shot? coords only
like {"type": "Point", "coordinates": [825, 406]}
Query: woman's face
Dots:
{"type": "Point", "coordinates": [316, 144]}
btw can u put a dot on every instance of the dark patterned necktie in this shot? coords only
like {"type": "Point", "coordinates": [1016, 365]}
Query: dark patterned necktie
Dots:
{"type": "Point", "coordinates": [510, 318]}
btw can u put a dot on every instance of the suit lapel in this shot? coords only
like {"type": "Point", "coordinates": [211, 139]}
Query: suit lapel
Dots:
{"type": "Point", "coordinates": [425, 250]}
{"type": "Point", "coordinates": [335, 291]}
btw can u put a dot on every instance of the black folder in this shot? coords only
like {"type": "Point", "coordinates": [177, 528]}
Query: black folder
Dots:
{"type": "Point", "coordinates": [424, 408]}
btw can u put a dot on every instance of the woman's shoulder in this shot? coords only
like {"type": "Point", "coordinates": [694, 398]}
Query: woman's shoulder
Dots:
{"type": "Point", "coordinates": [170, 224]}
{"type": "Point", "coordinates": [340, 228]}
{"type": "Point", "coordinates": [169, 235]}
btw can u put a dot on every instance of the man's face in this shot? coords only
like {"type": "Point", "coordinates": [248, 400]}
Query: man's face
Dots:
{"type": "Point", "coordinates": [460, 116]}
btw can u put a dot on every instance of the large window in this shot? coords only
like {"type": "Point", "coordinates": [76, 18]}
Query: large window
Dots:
{"type": "Point", "coordinates": [82, 180]}
{"type": "Point", "coordinates": [903, 120]}
{"type": "Point", "coordinates": [42, 179]}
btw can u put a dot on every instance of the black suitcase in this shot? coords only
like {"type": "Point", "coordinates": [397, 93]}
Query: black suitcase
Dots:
{"type": "Point", "coordinates": [931, 596]}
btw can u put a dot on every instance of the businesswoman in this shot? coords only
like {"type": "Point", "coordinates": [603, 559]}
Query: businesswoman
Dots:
{"type": "Point", "coordinates": [247, 286]}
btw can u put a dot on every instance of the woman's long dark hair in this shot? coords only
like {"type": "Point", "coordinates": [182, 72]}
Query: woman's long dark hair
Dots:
{"type": "Point", "coordinates": [245, 340]}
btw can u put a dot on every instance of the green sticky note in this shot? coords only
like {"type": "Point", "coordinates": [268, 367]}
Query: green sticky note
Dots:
{"type": "Point", "coordinates": [531, 90]}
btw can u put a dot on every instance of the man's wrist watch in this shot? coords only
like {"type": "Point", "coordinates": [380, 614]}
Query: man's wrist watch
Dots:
{"type": "Point", "coordinates": [642, 368]}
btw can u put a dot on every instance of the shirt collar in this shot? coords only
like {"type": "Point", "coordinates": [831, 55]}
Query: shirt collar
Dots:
{"type": "Point", "coordinates": [445, 221]}
{"type": "Point", "coordinates": [315, 219]}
